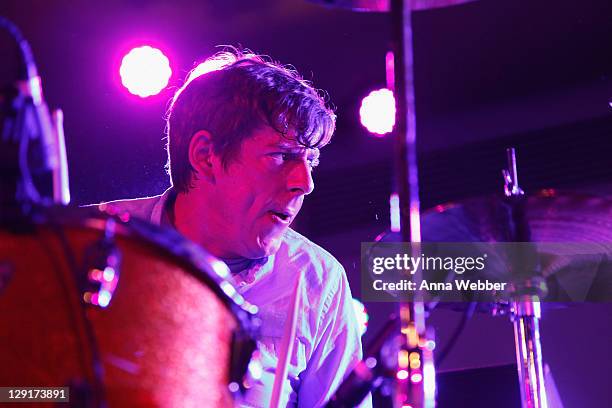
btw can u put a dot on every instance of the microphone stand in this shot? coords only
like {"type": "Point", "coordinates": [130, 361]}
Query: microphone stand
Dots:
{"type": "Point", "coordinates": [28, 121]}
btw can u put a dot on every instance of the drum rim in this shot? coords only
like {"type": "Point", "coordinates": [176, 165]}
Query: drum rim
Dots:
{"type": "Point", "coordinates": [194, 259]}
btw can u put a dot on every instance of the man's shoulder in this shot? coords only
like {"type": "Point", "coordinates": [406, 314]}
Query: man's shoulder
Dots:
{"type": "Point", "coordinates": [142, 208]}
{"type": "Point", "coordinates": [137, 207]}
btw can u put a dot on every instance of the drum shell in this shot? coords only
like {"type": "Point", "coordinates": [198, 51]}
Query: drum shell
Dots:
{"type": "Point", "coordinates": [164, 339]}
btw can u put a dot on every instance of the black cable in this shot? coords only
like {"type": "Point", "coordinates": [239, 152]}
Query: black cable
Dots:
{"type": "Point", "coordinates": [56, 267]}
{"type": "Point", "coordinates": [28, 192]}
{"type": "Point", "coordinates": [96, 362]}
{"type": "Point", "coordinates": [24, 48]}
{"type": "Point", "coordinates": [467, 314]}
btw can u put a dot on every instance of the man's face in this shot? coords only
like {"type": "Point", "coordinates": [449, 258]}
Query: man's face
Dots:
{"type": "Point", "coordinates": [261, 192]}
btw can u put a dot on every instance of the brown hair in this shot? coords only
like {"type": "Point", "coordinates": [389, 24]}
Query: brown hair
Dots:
{"type": "Point", "coordinates": [231, 95]}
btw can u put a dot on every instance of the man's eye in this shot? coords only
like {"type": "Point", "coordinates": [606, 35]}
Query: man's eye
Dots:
{"type": "Point", "coordinates": [281, 156]}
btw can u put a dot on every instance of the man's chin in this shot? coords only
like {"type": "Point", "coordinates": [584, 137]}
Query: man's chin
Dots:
{"type": "Point", "coordinates": [267, 246]}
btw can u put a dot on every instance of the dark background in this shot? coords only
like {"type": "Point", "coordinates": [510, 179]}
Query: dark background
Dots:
{"type": "Point", "coordinates": [492, 73]}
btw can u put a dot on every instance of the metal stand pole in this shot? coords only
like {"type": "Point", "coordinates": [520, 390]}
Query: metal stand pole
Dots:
{"type": "Point", "coordinates": [526, 317]}
{"type": "Point", "coordinates": [526, 308]}
{"type": "Point", "coordinates": [415, 376]}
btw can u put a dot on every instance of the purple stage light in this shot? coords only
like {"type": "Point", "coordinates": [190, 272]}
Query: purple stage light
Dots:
{"type": "Point", "coordinates": [377, 111]}
{"type": "Point", "coordinates": [145, 71]}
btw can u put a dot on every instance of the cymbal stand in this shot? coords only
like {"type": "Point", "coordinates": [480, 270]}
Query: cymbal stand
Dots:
{"type": "Point", "coordinates": [525, 309]}
{"type": "Point", "coordinates": [415, 375]}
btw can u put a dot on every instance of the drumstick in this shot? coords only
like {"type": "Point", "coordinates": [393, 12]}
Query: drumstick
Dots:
{"type": "Point", "coordinates": [286, 348]}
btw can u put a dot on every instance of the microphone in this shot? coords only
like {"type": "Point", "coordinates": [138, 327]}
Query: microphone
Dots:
{"type": "Point", "coordinates": [31, 136]}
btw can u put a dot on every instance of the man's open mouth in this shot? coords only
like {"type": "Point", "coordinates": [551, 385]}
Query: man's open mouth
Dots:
{"type": "Point", "coordinates": [282, 216]}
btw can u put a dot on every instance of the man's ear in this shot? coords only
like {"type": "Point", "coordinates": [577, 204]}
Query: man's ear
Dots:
{"type": "Point", "coordinates": [201, 155]}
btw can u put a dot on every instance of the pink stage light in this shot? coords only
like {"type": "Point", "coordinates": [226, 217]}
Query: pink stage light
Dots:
{"type": "Point", "coordinates": [377, 111]}
{"type": "Point", "coordinates": [145, 71]}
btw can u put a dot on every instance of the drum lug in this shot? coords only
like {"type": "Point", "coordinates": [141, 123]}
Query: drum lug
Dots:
{"type": "Point", "coordinates": [102, 269]}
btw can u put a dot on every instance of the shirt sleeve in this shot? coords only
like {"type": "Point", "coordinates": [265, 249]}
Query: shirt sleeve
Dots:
{"type": "Point", "coordinates": [338, 348]}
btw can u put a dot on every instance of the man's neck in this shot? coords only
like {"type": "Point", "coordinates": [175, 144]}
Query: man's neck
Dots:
{"type": "Point", "coordinates": [187, 214]}
{"type": "Point", "coordinates": [180, 216]}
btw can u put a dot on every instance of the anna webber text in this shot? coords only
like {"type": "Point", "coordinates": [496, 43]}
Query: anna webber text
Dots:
{"type": "Point", "coordinates": [458, 285]}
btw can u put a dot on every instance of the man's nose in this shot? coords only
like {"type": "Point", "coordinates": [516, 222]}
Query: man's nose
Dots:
{"type": "Point", "coordinates": [300, 179]}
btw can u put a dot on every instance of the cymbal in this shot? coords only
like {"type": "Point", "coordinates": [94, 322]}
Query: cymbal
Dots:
{"type": "Point", "coordinates": [552, 216]}
{"type": "Point", "coordinates": [572, 234]}
{"type": "Point", "coordinates": [385, 5]}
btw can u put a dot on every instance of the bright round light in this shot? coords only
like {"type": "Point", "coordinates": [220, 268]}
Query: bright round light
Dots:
{"type": "Point", "coordinates": [402, 374]}
{"type": "Point", "coordinates": [145, 71]}
{"type": "Point", "coordinates": [104, 298]}
{"type": "Point", "coordinates": [416, 378]}
{"type": "Point", "coordinates": [377, 112]}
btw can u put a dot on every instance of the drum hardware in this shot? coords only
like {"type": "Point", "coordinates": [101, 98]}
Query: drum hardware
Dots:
{"type": "Point", "coordinates": [379, 368]}
{"type": "Point", "coordinates": [525, 311]}
{"type": "Point", "coordinates": [414, 383]}
{"type": "Point", "coordinates": [550, 219]}
{"type": "Point", "coordinates": [501, 308]}
{"type": "Point", "coordinates": [543, 219]}
{"type": "Point", "coordinates": [102, 268]}
{"type": "Point", "coordinates": [244, 353]}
